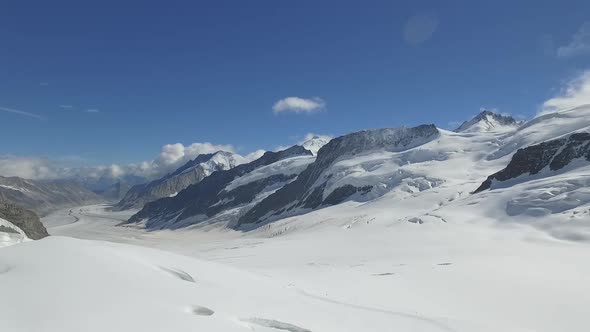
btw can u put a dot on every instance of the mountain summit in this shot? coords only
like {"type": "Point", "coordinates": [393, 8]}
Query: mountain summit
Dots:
{"type": "Point", "coordinates": [315, 143]}
{"type": "Point", "coordinates": [488, 121]}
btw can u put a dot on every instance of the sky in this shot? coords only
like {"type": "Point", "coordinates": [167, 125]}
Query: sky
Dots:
{"type": "Point", "coordinates": [116, 82]}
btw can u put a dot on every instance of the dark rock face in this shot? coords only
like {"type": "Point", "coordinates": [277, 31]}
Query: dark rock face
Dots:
{"type": "Point", "coordinates": [190, 173]}
{"type": "Point", "coordinates": [45, 196]}
{"type": "Point", "coordinates": [340, 194]}
{"type": "Point", "coordinates": [208, 196]}
{"type": "Point", "coordinates": [555, 154]}
{"type": "Point", "coordinates": [306, 192]}
{"type": "Point", "coordinates": [491, 119]}
{"type": "Point", "coordinates": [26, 220]}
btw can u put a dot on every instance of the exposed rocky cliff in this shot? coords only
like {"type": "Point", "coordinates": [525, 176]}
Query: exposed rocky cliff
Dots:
{"type": "Point", "coordinates": [551, 155]}
{"type": "Point", "coordinates": [24, 219]}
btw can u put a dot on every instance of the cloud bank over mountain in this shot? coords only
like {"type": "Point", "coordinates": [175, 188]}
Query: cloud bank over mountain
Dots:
{"type": "Point", "coordinates": [573, 93]}
{"type": "Point", "coordinates": [171, 156]}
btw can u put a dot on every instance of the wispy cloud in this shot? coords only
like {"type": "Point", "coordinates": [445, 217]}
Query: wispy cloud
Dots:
{"type": "Point", "coordinates": [299, 105]}
{"type": "Point", "coordinates": [68, 107]}
{"type": "Point", "coordinates": [574, 93]}
{"type": "Point", "coordinates": [420, 28]}
{"type": "Point", "coordinates": [92, 111]}
{"type": "Point", "coordinates": [19, 112]}
{"type": "Point", "coordinates": [579, 45]}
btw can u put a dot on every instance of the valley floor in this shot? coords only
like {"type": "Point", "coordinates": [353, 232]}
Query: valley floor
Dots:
{"type": "Point", "coordinates": [339, 272]}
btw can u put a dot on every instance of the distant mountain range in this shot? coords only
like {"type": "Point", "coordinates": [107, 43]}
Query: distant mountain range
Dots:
{"type": "Point", "coordinates": [366, 165]}
{"type": "Point", "coordinates": [45, 196]}
{"type": "Point", "coordinates": [490, 152]}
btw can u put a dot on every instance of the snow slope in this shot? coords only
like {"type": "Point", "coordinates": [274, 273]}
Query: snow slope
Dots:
{"type": "Point", "coordinates": [90, 286]}
{"type": "Point", "coordinates": [350, 267]}
{"type": "Point", "coordinates": [290, 166]}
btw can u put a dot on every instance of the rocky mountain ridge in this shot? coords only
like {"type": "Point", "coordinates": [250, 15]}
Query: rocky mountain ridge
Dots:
{"type": "Point", "coordinates": [202, 198]}
{"type": "Point", "coordinates": [171, 184]}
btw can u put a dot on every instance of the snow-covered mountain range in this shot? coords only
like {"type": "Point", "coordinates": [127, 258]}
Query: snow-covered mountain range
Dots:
{"type": "Point", "coordinates": [381, 164]}
{"type": "Point", "coordinates": [225, 190]}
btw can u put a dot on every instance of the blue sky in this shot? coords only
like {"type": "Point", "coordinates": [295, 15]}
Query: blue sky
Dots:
{"type": "Point", "coordinates": [112, 82]}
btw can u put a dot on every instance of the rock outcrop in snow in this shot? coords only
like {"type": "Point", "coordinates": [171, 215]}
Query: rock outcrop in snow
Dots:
{"type": "Point", "coordinates": [192, 172]}
{"type": "Point", "coordinates": [25, 220]}
{"type": "Point", "coordinates": [552, 155]}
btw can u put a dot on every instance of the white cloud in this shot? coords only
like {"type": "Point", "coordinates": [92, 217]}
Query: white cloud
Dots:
{"type": "Point", "coordinates": [28, 168]}
{"type": "Point", "coordinates": [19, 112]}
{"type": "Point", "coordinates": [574, 93]}
{"type": "Point", "coordinates": [173, 156]}
{"type": "Point", "coordinates": [306, 138]}
{"type": "Point", "coordinates": [66, 106]}
{"type": "Point", "coordinates": [299, 105]}
{"type": "Point", "coordinates": [92, 110]}
{"type": "Point", "coordinates": [116, 171]}
{"type": "Point", "coordinates": [254, 155]}
{"type": "Point", "coordinates": [170, 158]}
{"type": "Point", "coordinates": [580, 43]}
{"type": "Point", "coordinates": [419, 28]}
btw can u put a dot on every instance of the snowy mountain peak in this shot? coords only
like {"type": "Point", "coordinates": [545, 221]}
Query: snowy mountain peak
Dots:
{"type": "Point", "coordinates": [489, 121]}
{"type": "Point", "coordinates": [315, 143]}
{"type": "Point", "coordinates": [222, 160]}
